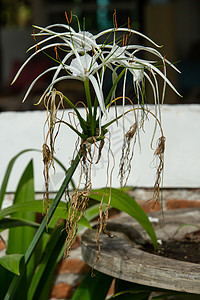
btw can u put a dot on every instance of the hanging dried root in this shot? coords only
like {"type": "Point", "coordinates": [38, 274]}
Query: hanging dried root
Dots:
{"type": "Point", "coordinates": [159, 153]}
{"type": "Point", "coordinates": [127, 155]}
{"type": "Point", "coordinates": [102, 142]}
{"type": "Point", "coordinates": [76, 210]}
{"type": "Point", "coordinates": [47, 160]}
{"type": "Point", "coordinates": [49, 150]}
{"type": "Point", "coordinates": [103, 215]}
{"type": "Point", "coordinates": [85, 149]}
{"type": "Point", "coordinates": [79, 200]}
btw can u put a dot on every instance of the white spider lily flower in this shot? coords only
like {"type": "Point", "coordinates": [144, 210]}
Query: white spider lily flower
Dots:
{"type": "Point", "coordinates": [137, 71]}
{"type": "Point", "coordinates": [122, 56]}
{"type": "Point", "coordinates": [117, 53]}
{"type": "Point", "coordinates": [83, 67]}
{"type": "Point", "coordinates": [84, 41]}
{"type": "Point", "coordinates": [83, 58]}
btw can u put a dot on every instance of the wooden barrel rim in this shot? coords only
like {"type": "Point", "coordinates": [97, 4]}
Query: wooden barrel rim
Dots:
{"type": "Point", "coordinates": [121, 259]}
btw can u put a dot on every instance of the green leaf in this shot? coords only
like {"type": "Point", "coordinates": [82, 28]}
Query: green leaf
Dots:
{"type": "Point", "coordinates": [91, 213]}
{"type": "Point", "coordinates": [8, 172]}
{"type": "Point", "coordinates": [20, 238]}
{"type": "Point", "coordinates": [9, 169]}
{"type": "Point", "coordinates": [5, 280]}
{"type": "Point", "coordinates": [37, 206]}
{"type": "Point", "coordinates": [83, 123]}
{"type": "Point", "coordinates": [125, 290]}
{"type": "Point", "coordinates": [130, 295]}
{"type": "Point", "coordinates": [12, 262]}
{"type": "Point", "coordinates": [184, 225]}
{"type": "Point", "coordinates": [15, 284]}
{"type": "Point", "coordinates": [6, 223]}
{"type": "Point", "coordinates": [93, 287]}
{"type": "Point", "coordinates": [48, 264]}
{"type": "Point", "coordinates": [82, 135]}
{"type": "Point", "coordinates": [126, 203]}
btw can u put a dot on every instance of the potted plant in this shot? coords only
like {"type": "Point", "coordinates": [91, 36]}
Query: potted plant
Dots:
{"type": "Point", "coordinates": [95, 59]}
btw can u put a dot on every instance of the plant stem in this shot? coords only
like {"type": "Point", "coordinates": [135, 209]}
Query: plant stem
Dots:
{"type": "Point", "coordinates": [89, 105]}
{"type": "Point", "coordinates": [17, 279]}
{"type": "Point", "coordinates": [88, 96]}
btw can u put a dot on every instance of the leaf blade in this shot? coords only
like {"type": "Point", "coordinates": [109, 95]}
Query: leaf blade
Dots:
{"type": "Point", "coordinates": [24, 193]}
{"type": "Point", "coordinates": [12, 262]}
{"type": "Point", "coordinates": [126, 203]}
{"type": "Point", "coordinates": [93, 287]}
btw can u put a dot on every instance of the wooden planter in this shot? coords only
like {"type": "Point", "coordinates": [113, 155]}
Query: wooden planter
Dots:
{"type": "Point", "coordinates": [121, 258]}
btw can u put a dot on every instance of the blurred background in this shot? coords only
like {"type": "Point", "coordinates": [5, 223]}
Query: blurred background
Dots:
{"type": "Point", "coordinates": [175, 24]}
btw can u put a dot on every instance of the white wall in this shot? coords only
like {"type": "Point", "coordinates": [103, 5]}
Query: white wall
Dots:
{"type": "Point", "coordinates": [181, 123]}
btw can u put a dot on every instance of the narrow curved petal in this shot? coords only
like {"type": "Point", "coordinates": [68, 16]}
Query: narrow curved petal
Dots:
{"type": "Point", "coordinates": [57, 80]}
{"type": "Point", "coordinates": [35, 80]}
{"type": "Point", "coordinates": [30, 57]}
{"type": "Point", "coordinates": [128, 31]}
{"type": "Point", "coordinates": [98, 92]}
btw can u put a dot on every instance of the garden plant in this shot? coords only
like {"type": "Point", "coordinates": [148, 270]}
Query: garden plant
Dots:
{"type": "Point", "coordinates": [109, 56]}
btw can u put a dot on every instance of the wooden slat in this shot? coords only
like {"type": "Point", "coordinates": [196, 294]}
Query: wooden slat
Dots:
{"type": "Point", "coordinates": [121, 259]}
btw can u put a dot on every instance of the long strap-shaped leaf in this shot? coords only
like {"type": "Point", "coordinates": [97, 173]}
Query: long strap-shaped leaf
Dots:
{"type": "Point", "coordinates": [9, 169]}
{"type": "Point", "coordinates": [16, 280]}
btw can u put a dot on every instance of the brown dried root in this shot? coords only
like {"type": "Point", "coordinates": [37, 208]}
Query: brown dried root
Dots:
{"type": "Point", "coordinates": [102, 142]}
{"type": "Point", "coordinates": [159, 153]}
{"type": "Point", "coordinates": [47, 160]}
{"type": "Point", "coordinates": [127, 154]}
{"type": "Point", "coordinates": [103, 215]}
{"type": "Point", "coordinates": [76, 210]}
{"type": "Point", "coordinates": [49, 150]}
{"type": "Point", "coordinates": [79, 200]}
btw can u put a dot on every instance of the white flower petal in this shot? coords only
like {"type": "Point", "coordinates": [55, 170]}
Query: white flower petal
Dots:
{"type": "Point", "coordinates": [35, 80]}
{"type": "Point", "coordinates": [30, 57]}
{"type": "Point", "coordinates": [83, 65]}
{"type": "Point", "coordinates": [98, 92]}
{"type": "Point", "coordinates": [128, 31]}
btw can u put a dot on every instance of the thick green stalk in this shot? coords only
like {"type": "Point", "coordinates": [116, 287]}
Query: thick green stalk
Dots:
{"type": "Point", "coordinates": [89, 105]}
{"type": "Point", "coordinates": [88, 96]}
{"type": "Point", "coordinates": [108, 99]}
{"type": "Point", "coordinates": [17, 279]}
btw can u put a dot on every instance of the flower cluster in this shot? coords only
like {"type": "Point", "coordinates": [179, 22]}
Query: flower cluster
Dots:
{"type": "Point", "coordinates": [82, 56]}
{"type": "Point", "coordinates": [86, 57]}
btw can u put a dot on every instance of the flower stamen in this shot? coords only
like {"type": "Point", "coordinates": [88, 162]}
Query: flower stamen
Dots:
{"type": "Point", "coordinates": [129, 27]}
{"type": "Point", "coordinates": [66, 16]}
{"type": "Point", "coordinates": [115, 18]}
{"type": "Point", "coordinates": [132, 60]}
{"type": "Point", "coordinates": [93, 49]}
{"type": "Point", "coordinates": [34, 35]}
{"type": "Point", "coordinates": [36, 48]}
{"type": "Point", "coordinates": [56, 51]}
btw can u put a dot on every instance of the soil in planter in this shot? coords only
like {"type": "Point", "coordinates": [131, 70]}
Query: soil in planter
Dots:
{"type": "Point", "coordinates": [185, 249]}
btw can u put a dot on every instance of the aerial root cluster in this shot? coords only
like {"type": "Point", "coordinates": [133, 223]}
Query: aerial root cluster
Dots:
{"type": "Point", "coordinates": [52, 107]}
{"type": "Point", "coordinates": [159, 154]}
{"type": "Point", "coordinates": [90, 153]}
{"type": "Point", "coordinates": [127, 154]}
